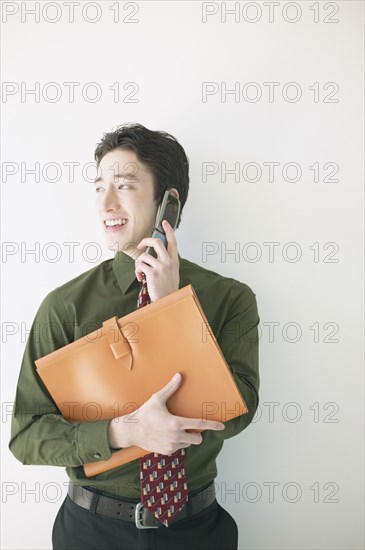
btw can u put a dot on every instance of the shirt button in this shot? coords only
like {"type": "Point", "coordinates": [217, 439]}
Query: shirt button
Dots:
{"type": "Point", "coordinates": [97, 455]}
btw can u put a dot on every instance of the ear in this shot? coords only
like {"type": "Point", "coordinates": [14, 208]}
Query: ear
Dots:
{"type": "Point", "coordinates": [174, 192]}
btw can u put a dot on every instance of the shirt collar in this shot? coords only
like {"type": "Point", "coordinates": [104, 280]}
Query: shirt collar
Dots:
{"type": "Point", "coordinates": [124, 270]}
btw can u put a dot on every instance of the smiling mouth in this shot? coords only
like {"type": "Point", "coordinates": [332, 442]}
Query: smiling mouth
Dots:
{"type": "Point", "coordinates": [115, 227]}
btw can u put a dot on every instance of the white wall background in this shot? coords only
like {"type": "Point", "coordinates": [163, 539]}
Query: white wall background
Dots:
{"type": "Point", "coordinates": [293, 479]}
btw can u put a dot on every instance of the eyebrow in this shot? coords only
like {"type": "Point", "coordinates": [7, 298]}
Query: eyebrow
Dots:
{"type": "Point", "coordinates": [117, 176]}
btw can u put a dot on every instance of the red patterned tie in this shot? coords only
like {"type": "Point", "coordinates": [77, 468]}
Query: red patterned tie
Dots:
{"type": "Point", "coordinates": [162, 477]}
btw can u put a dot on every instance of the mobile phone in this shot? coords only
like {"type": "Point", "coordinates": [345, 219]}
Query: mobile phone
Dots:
{"type": "Point", "coordinates": [169, 210]}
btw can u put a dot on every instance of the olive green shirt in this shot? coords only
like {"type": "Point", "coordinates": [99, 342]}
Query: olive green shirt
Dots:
{"type": "Point", "coordinates": [40, 434]}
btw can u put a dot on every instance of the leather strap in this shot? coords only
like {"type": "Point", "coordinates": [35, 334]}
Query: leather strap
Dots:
{"type": "Point", "coordinates": [118, 508]}
{"type": "Point", "coordinates": [119, 345]}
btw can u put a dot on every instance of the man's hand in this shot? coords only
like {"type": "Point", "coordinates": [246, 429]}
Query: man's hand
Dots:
{"type": "Point", "coordinates": [153, 428]}
{"type": "Point", "coordinates": [162, 273]}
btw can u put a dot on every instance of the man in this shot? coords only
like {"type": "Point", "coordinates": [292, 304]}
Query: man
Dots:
{"type": "Point", "coordinates": [134, 167]}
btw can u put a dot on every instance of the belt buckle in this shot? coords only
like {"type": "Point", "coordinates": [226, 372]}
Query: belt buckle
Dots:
{"type": "Point", "coordinates": [138, 518]}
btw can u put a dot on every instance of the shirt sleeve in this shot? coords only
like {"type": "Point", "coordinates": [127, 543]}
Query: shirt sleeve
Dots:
{"type": "Point", "coordinates": [39, 433]}
{"type": "Point", "coordinates": [239, 342]}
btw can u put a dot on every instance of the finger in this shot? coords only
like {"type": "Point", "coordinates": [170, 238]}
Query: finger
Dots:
{"type": "Point", "coordinates": [192, 439]}
{"type": "Point", "coordinates": [201, 424]}
{"type": "Point", "coordinates": [141, 268]}
{"type": "Point", "coordinates": [139, 276]}
{"type": "Point", "coordinates": [184, 445]}
{"type": "Point", "coordinates": [171, 240]}
{"type": "Point", "coordinates": [147, 259]}
{"type": "Point", "coordinates": [170, 387]}
{"type": "Point", "coordinates": [157, 244]}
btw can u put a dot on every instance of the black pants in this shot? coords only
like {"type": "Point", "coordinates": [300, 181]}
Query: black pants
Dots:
{"type": "Point", "coordinates": [78, 529]}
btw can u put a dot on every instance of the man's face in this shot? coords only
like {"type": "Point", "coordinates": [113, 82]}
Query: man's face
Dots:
{"type": "Point", "coordinates": [124, 194]}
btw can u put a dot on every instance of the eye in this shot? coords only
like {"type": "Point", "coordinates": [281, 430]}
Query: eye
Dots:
{"type": "Point", "coordinates": [123, 185]}
{"type": "Point", "coordinates": [97, 189]}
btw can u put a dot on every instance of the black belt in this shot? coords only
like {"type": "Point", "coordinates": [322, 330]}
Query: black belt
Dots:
{"type": "Point", "coordinates": [127, 510]}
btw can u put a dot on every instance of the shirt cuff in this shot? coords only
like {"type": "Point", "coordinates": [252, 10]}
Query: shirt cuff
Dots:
{"type": "Point", "coordinates": [92, 439]}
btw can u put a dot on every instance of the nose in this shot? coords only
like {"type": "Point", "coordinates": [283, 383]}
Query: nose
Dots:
{"type": "Point", "coordinates": [110, 200]}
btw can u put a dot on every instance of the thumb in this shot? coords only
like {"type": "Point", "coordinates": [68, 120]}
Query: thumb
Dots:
{"type": "Point", "coordinates": [138, 275]}
{"type": "Point", "coordinates": [170, 387]}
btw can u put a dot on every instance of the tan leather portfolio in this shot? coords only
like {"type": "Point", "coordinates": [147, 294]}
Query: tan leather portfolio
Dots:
{"type": "Point", "coordinates": [112, 371]}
